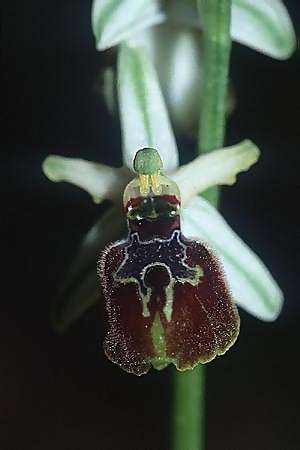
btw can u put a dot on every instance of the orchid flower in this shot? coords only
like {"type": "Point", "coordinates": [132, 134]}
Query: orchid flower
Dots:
{"type": "Point", "coordinates": [145, 122]}
{"type": "Point", "coordinates": [167, 300]}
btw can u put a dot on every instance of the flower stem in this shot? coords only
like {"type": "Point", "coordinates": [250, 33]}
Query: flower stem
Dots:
{"type": "Point", "coordinates": [188, 407]}
{"type": "Point", "coordinates": [215, 16]}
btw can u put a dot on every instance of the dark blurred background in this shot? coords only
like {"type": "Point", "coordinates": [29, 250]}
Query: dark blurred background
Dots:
{"type": "Point", "coordinates": [59, 391]}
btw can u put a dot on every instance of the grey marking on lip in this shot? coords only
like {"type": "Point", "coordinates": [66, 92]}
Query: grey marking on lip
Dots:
{"type": "Point", "coordinates": [169, 254]}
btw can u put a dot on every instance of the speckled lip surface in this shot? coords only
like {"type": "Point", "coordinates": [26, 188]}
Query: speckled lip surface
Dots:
{"type": "Point", "coordinates": [166, 297]}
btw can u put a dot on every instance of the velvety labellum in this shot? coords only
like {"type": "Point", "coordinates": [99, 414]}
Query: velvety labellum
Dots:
{"type": "Point", "coordinates": [166, 297]}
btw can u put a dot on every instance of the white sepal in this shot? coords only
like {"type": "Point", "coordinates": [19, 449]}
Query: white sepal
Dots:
{"type": "Point", "coordinates": [253, 287]}
{"type": "Point", "coordinates": [263, 25]}
{"type": "Point", "coordinates": [144, 117]}
{"type": "Point", "coordinates": [114, 21]}
{"type": "Point", "coordinates": [215, 168]}
{"type": "Point", "coordinates": [100, 181]}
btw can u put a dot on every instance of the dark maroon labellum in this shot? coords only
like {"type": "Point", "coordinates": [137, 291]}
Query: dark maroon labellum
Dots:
{"type": "Point", "coordinates": [166, 296]}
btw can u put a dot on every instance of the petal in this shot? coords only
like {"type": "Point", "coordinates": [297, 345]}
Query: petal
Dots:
{"type": "Point", "coordinates": [80, 290]}
{"type": "Point", "coordinates": [114, 21]}
{"type": "Point", "coordinates": [252, 285]}
{"type": "Point", "coordinates": [100, 181]}
{"type": "Point", "coordinates": [215, 168]}
{"type": "Point", "coordinates": [128, 341]}
{"type": "Point", "coordinates": [166, 297]}
{"type": "Point", "coordinates": [144, 117]}
{"type": "Point", "coordinates": [205, 322]}
{"type": "Point", "coordinates": [263, 25]}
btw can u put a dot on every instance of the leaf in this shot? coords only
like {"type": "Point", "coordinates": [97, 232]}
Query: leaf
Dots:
{"type": "Point", "coordinates": [263, 25]}
{"type": "Point", "coordinates": [81, 289]}
{"type": "Point", "coordinates": [144, 117]}
{"type": "Point", "coordinates": [100, 181]}
{"type": "Point", "coordinates": [252, 285]}
{"type": "Point", "coordinates": [215, 168]}
{"type": "Point", "coordinates": [114, 21]}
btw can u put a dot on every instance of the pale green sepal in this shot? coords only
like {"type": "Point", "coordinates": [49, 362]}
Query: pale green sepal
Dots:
{"type": "Point", "coordinates": [183, 76]}
{"type": "Point", "coordinates": [177, 57]}
{"type": "Point", "coordinates": [263, 25]}
{"type": "Point", "coordinates": [114, 21]}
{"type": "Point", "coordinates": [252, 286]}
{"type": "Point", "coordinates": [100, 181]}
{"type": "Point", "coordinates": [143, 113]}
{"type": "Point", "coordinates": [216, 168]}
{"type": "Point", "coordinates": [81, 288]}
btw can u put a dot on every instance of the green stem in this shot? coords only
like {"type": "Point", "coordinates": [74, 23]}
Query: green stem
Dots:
{"type": "Point", "coordinates": [188, 407]}
{"type": "Point", "coordinates": [215, 16]}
